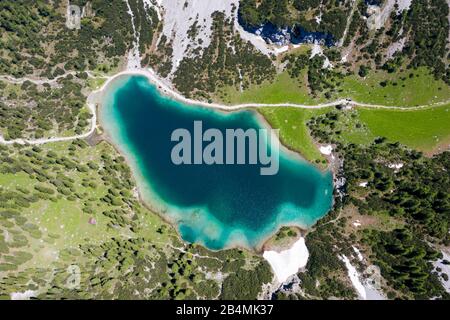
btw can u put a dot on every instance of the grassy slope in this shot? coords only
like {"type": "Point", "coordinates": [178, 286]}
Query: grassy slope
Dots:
{"type": "Point", "coordinates": [65, 218]}
{"type": "Point", "coordinates": [293, 131]}
{"type": "Point", "coordinates": [423, 129]}
{"type": "Point", "coordinates": [282, 89]}
{"type": "Point", "coordinates": [118, 257]}
{"type": "Point", "coordinates": [421, 89]}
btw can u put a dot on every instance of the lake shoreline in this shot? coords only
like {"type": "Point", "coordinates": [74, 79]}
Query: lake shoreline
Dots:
{"type": "Point", "coordinates": [165, 91]}
{"type": "Point", "coordinates": [99, 98]}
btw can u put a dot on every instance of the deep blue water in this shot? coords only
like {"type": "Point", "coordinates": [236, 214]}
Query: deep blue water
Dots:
{"type": "Point", "coordinates": [217, 205]}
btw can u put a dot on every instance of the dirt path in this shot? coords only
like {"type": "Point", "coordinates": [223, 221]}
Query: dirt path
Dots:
{"type": "Point", "coordinates": [40, 81]}
{"type": "Point", "coordinates": [166, 88]}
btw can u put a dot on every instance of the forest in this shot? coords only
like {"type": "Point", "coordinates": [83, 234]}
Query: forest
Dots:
{"type": "Point", "coordinates": [297, 15]}
{"type": "Point", "coordinates": [220, 65]}
{"type": "Point", "coordinates": [424, 26]}
{"type": "Point", "coordinates": [414, 196]}
{"type": "Point", "coordinates": [32, 27]}
{"type": "Point", "coordinates": [29, 110]}
{"type": "Point", "coordinates": [36, 43]}
{"type": "Point", "coordinates": [120, 248]}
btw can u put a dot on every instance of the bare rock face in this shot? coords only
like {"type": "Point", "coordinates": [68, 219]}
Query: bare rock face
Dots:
{"type": "Point", "coordinates": [87, 10]}
{"type": "Point", "coordinates": [73, 17]}
{"type": "Point", "coordinates": [74, 14]}
{"type": "Point", "coordinates": [187, 24]}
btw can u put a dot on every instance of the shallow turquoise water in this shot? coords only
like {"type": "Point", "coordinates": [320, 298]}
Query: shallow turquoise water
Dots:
{"type": "Point", "coordinates": [218, 206]}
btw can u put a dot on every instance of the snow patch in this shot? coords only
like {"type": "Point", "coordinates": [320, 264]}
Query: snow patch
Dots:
{"type": "Point", "coordinates": [363, 184]}
{"type": "Point", "coordinates": [286, 263]}
{"type": "Point", "coordinates": [279, 50]}
{"type": "Point", "coordinates": [403, 5]}
{"type": "Point", "coordinates": [326, 150]}
{"type": "Point", "coordinates": [354, 277]}
{"type": "Point", "coordinates": [26, 295]}
{"type": "Point", "coordinates": [445, 268]}
{"type": "Point", "coordinates": [358, 253]}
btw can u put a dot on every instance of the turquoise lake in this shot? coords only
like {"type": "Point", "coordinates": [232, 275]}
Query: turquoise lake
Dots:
{"type": "Point", "coordinates": [219, 206]}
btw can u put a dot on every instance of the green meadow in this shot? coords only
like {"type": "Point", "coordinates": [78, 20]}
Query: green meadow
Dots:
{"type": "Point", "coordinates": [96, 83]}
{"type": "Point", "coordinates": [406, 88]}
{"type": "Point", "coordinates": [293, 130]}
{"type": "Point", "coordinates": [283, 89]}
{"type": "Point", "coordinates": [72, 227]}
{"type": "Point", "coordinates": [63, 221]}
{"type": "Point", "coordinates": [424, 130]}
